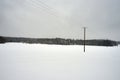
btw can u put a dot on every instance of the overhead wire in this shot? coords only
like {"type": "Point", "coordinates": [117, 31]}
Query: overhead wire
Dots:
{"type": "Point", "coordinates": [47, 9]}
{"type": "Point", "coordinates": [40, 6]}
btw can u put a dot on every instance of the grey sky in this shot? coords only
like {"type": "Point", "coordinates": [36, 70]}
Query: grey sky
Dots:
{"type": "Point", "coordinates": [60, 18]}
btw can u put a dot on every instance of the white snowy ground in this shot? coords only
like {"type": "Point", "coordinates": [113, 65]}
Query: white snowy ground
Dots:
{"type": "Point", "coordinates": [56, 62]}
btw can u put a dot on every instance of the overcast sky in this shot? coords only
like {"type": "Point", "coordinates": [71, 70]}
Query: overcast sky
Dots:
{"type": "Point", "coordinates": [60, 18]}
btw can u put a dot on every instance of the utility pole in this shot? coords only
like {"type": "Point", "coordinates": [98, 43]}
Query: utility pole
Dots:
{"type": "Point", "coordinates": [84, 37]}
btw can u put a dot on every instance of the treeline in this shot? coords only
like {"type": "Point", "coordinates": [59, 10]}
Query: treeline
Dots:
{"type": "Point", "coordinates": [59, 41]}
{"type": "Point", "coordinates": [118, 42]}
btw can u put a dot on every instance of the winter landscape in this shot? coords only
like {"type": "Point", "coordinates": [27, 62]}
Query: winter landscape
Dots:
{"type": "Point", "coordinates": [59, 40]}
{"type": "Point", "coordinates": [21, 61]}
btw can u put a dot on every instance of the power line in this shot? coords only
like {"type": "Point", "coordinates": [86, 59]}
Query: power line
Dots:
{"type": "Point", "coordinates": [37, 5]}
{"type": "Point", "coordinates": [46, 7]}
{"type": "Point", "coordinates": [49, 10]}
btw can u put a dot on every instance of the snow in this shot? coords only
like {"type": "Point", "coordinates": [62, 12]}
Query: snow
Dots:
{"type": "Point", "coordinates": [20, 61]}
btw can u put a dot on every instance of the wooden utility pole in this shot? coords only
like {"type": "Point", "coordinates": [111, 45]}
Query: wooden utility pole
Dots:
{"type": "Point", "coordinates": [84, 37]}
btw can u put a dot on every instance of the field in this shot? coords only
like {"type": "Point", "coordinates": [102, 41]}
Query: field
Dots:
{"type": "Point", "coordinates": [20, 61]}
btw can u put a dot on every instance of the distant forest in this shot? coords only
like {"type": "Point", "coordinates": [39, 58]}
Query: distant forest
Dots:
{"type": "Point", "coordinates": [59, 41]}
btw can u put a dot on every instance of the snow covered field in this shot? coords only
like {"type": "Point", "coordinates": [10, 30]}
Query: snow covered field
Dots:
{"type": "Point", "coordinates": [20, 61]}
